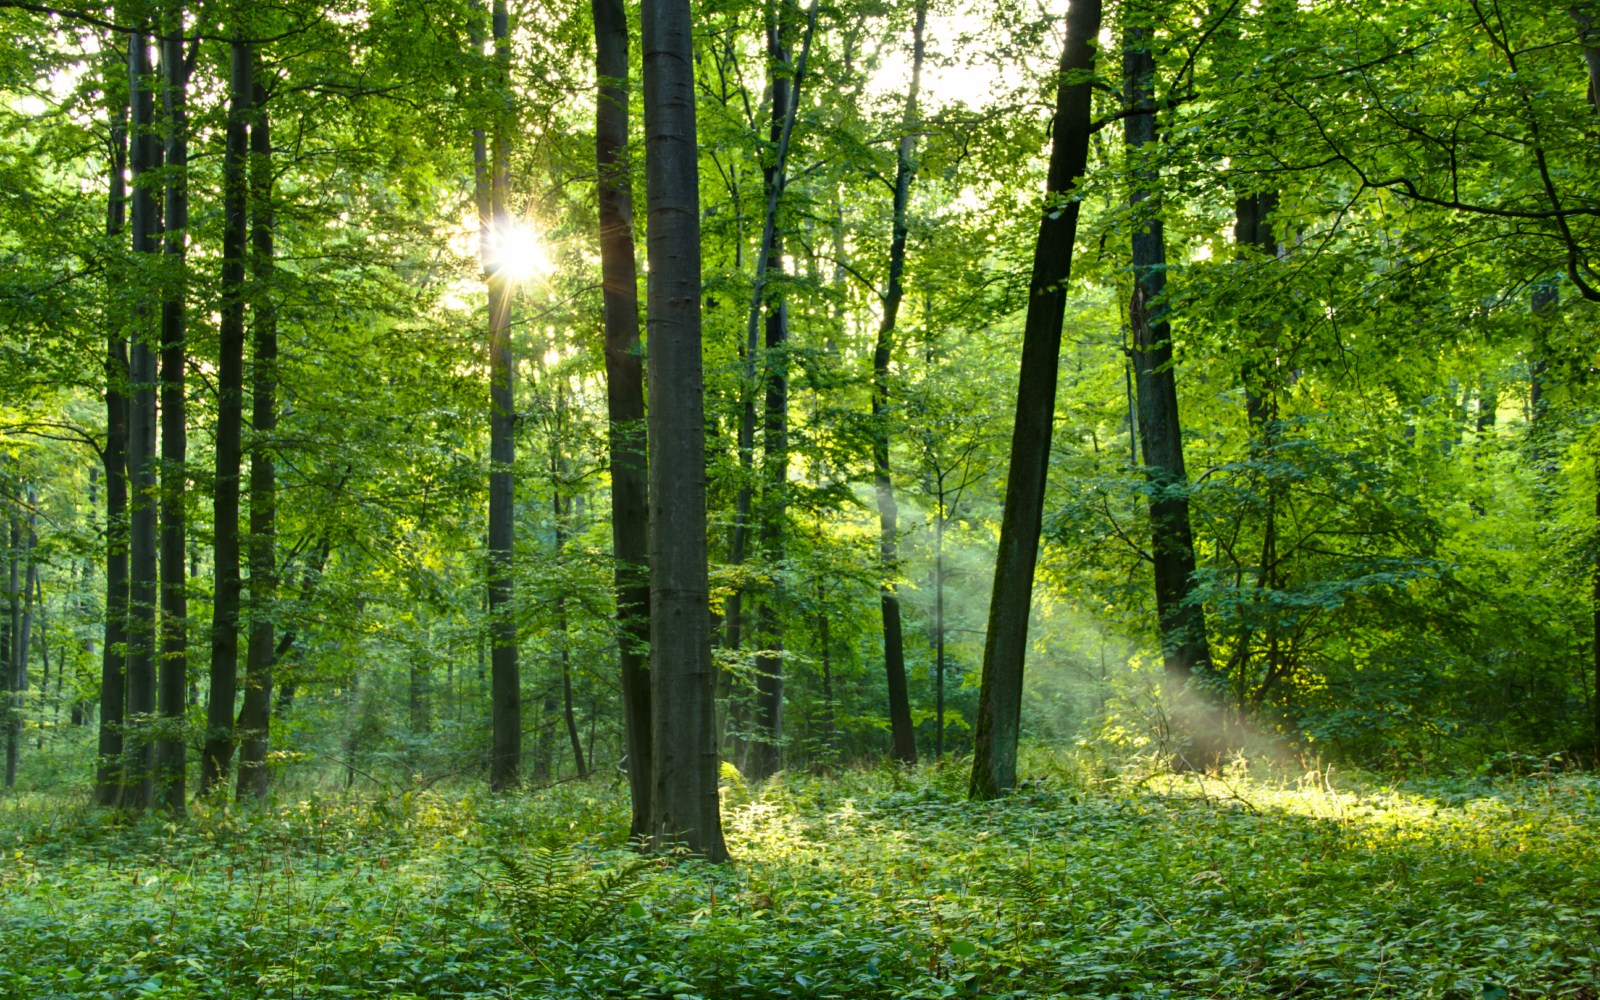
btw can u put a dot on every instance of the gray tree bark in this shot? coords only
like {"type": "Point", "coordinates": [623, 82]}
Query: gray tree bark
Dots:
{"type": "Point", "coordinates": [684, 802]}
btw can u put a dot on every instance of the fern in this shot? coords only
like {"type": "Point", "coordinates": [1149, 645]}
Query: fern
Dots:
{"type": "Point", "coordinates": [556, 894]}
{"type": "Point", "coordinates": [1029, 890]}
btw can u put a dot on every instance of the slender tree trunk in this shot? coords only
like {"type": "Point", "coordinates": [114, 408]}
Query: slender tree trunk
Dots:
{"type": "Point", "coordinates": [1182, 620]}
{"type": "Point", "coordinates": [171, 750]}
{"type": "Point", "coordinates": [505, 681]}
{"type": "Point", "coordinates": [310, 576]}
{"type": "Point", "coordinates": [767, 755]}
{"type": "Point", "coordinates": [1488, 406]}
{"type": "Point", "coordinates": [563, 636]}
{"type": "Point", "coordinates": [44, 669]}
{"type": "Point", "coordinates": [763, 754]}
{"type": "Point", "coordinates": [220, 731]}
{"type": "Point", "coordinates": [994, 760]}
{"type": "Point", "coordinates": [938, 632]}
{"type": "Point", "coordinates": [144, 152]}
{"type": "Point", "coordinates": [12, 642]}
{"type": "Point", "coordinates": [1258, 375]}
{"type": "Point", "coordinates": [255, 714]}
{"type": "Point", "coordinates": [894, 658]}
{"type": "Point", "coordinates": [17, 682]}
{"type": "Point", "coordinates": [630, 513]}
{"type": "Point", "coordinates": [684, 799]}
{"type": "Point", "coordinates": [108, 766]}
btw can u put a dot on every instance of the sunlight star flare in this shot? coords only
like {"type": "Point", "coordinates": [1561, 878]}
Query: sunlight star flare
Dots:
{"type": "Point", "coordinates": [517, 252]}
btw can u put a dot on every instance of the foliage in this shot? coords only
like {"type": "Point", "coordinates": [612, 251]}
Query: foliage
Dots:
{"type": "Point", "coordinates": [1097, 879]}
{"type": "Point", "coordinates": [551, 892]}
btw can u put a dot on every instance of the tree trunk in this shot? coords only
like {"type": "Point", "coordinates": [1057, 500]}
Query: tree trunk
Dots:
{"type": "Point", "coordinates": [16, 681]}
{"type": "Point", "coordinates": [1252, 228]}
{"type": "Point", "coordinates": [894, 657]}
{"type": "Point", "coordinates": [282, 663]}
{"type": "Point", "coordinates": [11, 639]}
{"type": "Point", "coordinates": [938, 632]}
{"type": "Point", "coordinates": [230, 427]}
{"type": "Point", "coordinates": [143, 581]}
{"type": "Point", "coordinates": [108, 765]}
{"type": "Point", "coordinates": [766, 753]}
{"type": "Point", "coordinates": [684, 799]}
{"type": "Point", "coordinates": [563, 636]}
{"type": "Point", "coordinates": [994, 762]}
{"type": "Point", "coordinates": [44, 669]}
{"type": "Point", "coordinates": [505, 681]}
{"type": "Point", "coordinates": [255, 714]}
{"type": "Point", "coordinates": [1181, 619]}
{"type": "Point", "coordinates": [630, 513]}
{"type": "Point", "coordinates": [171, 750]}
{"type": "Point", "coordinates": [768, 368]}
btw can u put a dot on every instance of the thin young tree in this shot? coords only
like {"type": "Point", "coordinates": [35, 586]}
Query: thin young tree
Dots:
{"type": "Point", "coordinates": [1181, 619]}
{"type": "Point", "coordinates": [994, 758]}
{"type": "Point", "coordinates": [894, 655]}
{"type": "Point", "coordinates": [684, 799]}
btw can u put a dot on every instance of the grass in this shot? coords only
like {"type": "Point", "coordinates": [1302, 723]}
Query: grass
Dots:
{"type": "Point", "coordinates": [873, 884]}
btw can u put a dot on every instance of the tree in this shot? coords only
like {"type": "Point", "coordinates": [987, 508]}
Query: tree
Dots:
{"type": "Point", "coordinates": [630, 513]}
{"type": "Point", "coordinates": [506, 746]}
{"type": "Point", "coordinates": [994, 760]}
{"type": "Point", "coordinates": [255, 713]}
{"type": "Point", "coordinates": [219, 743]}
{"type": "Point", "coordinates": [1181, 617]}
{"type": "Point", "coordinates": [108, 767]}
{"type": "Point", "coordinates": [173, 681]}
{"type": "Point", "coordinates": [894, 657]}
{"type": "Point", "coordinates": [683, 800]}
{"type": "Point", "coordinates": [144, 223]}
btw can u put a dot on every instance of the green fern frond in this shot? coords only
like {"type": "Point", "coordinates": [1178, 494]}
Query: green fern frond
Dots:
{"type": "Point", "coordinates": [552, 893]}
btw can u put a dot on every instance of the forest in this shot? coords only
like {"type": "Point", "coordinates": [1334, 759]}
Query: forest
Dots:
{"type": "Point", "coordinates": [877, 498]}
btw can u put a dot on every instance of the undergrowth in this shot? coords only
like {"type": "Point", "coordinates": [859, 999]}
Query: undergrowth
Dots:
{"type": "Point", "coordinates": [873, 884]}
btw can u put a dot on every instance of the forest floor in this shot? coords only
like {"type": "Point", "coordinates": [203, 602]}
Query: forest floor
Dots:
{"type": "Point", "coordinates": [871, 884]}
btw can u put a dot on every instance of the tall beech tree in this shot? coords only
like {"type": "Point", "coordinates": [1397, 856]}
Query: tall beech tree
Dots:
{"type": "Point", "coordinates": [994, 757]}
{"type": "Point", "coordinates": [173, 682]}
{"type": "Point", "coordinates": [255, 712]}
{"type": "Point", "coordinates": [108, 767]}
{"type": "Point", "coordinates": [630, 512]}
{"type": "Point", "coordinates": [894, 654]}
{"type": "Point", "coordinates": [219, 742]}
{"type": "Point", "coordinates": [505, 760]}
{"type": "Point", "coordinates": [1181, 619]}
{"type": "Point", "coordinates": [145, 225]}
{"type": "Point", "coordinates": [684, 808]}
